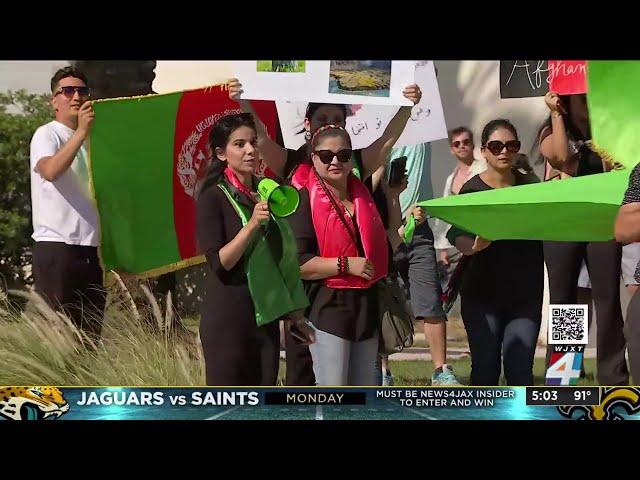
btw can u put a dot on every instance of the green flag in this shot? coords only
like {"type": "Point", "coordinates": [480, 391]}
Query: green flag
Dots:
{"type": "Point", "coordinates": [614, 109]}
{"type": "Point", "coordinates": [148, 156]}
{"type": "Point", "coordinates": [575, 209]}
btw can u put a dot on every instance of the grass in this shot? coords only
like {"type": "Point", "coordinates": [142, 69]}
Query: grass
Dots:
{"type": "Point", "coordinates": [140, 346]}
{"type": "Point", "coordinates": [418, 372]}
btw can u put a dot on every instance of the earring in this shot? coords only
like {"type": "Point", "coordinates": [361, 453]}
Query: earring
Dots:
{"type": "Point", "coordinates": [307, 135]}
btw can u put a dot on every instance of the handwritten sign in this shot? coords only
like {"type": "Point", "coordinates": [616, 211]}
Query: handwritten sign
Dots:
{"type": "Point", "coordinates": [523, 78]}
{"type": "Point", "coordinates": [366, 123]}
{"type": "Point", "coordinates": [568, 77]}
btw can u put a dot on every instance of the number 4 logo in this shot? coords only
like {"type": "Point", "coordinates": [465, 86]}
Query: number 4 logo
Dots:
{"type": "Point", "coordinates": [564, 368]}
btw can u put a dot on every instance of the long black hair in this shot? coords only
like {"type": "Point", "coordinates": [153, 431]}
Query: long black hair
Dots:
{"type": "Point", "coordinates": [218, 138]}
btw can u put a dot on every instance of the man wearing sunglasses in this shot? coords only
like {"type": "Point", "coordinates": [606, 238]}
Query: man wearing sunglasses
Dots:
{"type": "Point", "coordinates": [66, 269]}
{"type": "Point", "coordinates": [461, 143]}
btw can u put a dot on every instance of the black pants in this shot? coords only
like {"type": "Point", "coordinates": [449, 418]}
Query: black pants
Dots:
{"type": "Point", "coordinates": [564, 260]}
{"type": "Point", "coordinates": [69, 277]}
{"type": "Point", "coordinates": [299, 363]}
{"type": "Point", "coordinates": [240, 353]}
{"type": "Point", "coordinates": [633, 336]}
{"type": "Point", "coordinates": [504, 332]}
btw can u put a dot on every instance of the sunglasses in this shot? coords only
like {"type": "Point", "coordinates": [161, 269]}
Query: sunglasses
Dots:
{"type": "Point", "coordinates": [69, 92]}
{"type": "Point", "coordinates": [496, 146]}
{"type": "Point", "coordinates": [326, 156]}
{"type": "Point", "coordinates": [466, 142]}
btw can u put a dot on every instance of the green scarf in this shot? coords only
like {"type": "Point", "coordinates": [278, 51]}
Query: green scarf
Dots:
{"type": "Point", "coordinates": [274, 280]}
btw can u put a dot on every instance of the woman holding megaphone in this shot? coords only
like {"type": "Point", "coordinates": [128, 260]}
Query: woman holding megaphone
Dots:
{"type": "Point", "coordinates": [344, 252]}
{"type": "Point", "coordinates": [295, 165]}
{"type": "Point", "coordinates": [255, 276]}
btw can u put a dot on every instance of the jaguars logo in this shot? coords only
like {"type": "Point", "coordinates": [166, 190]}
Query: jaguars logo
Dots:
{"type": "Point", "coordinates": [614, 401]}
{"type": "Point", "coordinates": [32, 403]}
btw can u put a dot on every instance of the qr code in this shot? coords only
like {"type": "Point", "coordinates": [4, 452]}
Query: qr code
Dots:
{"type": "Point", "coordinates": [568, 324]}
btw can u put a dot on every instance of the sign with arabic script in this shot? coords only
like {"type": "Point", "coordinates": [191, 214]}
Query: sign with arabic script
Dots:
{"type": "Point", "coordinates": [366, 123]}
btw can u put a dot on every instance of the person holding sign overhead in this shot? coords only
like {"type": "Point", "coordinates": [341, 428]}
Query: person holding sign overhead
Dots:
{"type": "Point", "coordinates": [564, 145]}
{"type": "Point", "coordinates": [294, 166]}
{"type": "Point", "coordinates": [255, 276]}
{"type": "Point", "coordinates": [284, 162]}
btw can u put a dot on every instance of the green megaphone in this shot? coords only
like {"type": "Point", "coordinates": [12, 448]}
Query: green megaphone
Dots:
{"type": "Point", "coordinates": [282, 199]}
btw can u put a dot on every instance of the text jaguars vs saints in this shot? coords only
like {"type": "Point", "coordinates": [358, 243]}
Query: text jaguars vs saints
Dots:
{"type": "Point", "coordinates": [158, 398]}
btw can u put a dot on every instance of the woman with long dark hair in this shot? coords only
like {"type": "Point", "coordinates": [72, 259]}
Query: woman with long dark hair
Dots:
{"type": "Point", "coordinates": [254, 279]}
{"type": "Point", "coordinates": [502, 284]}
{"type": "Point", "coordinates": [564, 143]}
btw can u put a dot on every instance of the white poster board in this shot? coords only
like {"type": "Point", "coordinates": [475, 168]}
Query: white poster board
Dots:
{"type": "Point", "coordinates": [368, 122]}
{"type": "Point", "coordinates": [179, 75]}
{"type": "Point", "coordinates": [376, 82]}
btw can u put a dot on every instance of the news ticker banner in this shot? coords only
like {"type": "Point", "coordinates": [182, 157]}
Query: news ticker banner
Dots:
{"type": "Point", "coordinates": [281, 403]}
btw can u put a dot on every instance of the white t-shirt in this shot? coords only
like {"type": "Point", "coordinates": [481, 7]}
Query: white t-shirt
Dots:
{"type": "Point", "coordinates": [63, 210]}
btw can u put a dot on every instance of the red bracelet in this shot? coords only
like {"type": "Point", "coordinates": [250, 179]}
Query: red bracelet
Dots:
{"type": "Point", "coordinates": [343, 264]}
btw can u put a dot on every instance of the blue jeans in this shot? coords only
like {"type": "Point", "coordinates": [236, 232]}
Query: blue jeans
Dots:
{"type": "Point", "coordinates": [502, 333]}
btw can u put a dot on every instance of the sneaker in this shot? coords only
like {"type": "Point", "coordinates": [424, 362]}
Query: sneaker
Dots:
{"type": "Point", "coordinates": [444, 376]}
{"type": "Point", "coordinates": [387, 379]}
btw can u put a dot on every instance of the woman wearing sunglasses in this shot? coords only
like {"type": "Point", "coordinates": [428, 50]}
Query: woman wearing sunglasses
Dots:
{"type": "Point", "coordinates": [344, 252]}
{"type": "Point", "coordinates": [563, 144]}
{"type": "Point", "coordinates": [294, 165]}
{"type": "Point", "coordinates": [502, 285]}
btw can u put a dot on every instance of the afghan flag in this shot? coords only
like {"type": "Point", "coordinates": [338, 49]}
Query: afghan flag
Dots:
{"type": "Point", "coordinates": [574, 209]}
{"type": "Point", "coordinates": [148, 156]}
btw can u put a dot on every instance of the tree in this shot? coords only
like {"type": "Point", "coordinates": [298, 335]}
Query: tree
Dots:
{"type": "Point", "coordinates": [21, 113]}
